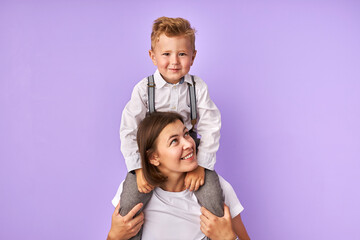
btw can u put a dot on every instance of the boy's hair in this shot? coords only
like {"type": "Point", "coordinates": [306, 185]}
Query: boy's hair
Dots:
{"type": "Point", "coordinates": [147, 134]}
{"type": "Point", "coordinates": [172, 27]}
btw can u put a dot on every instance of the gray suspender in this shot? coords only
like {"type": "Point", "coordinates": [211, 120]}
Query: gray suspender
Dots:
{"type": "Point", "coordinates": [151, 94]}
{"type": "Point", "coordinates": [192, 94]}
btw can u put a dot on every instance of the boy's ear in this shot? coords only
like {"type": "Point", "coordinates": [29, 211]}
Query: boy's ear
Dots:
{"type": "Point", "coordinates": [152, 56]}
{"type": "Point", "coordinates": [154, 159]}
{"type": "Point", "coordinates": [193, 57]}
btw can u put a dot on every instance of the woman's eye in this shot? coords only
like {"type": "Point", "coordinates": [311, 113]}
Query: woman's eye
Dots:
{"type": "Point", "coordinates": [173, 141]}
{"type": "Point", "coordinates": [187, 134]}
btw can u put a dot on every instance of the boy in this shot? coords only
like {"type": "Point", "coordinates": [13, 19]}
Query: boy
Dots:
{"type": "Point", "coordinates": [173, 52]}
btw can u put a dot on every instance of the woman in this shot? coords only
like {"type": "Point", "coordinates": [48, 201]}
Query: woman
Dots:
{"type": "Point", "coordinates": [168, 152]}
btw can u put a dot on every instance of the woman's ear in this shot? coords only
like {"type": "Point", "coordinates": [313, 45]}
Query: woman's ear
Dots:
{"type": "Point", "coordinates": [154, 159]}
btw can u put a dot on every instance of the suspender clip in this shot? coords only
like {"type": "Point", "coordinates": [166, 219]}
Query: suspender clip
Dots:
{"type": "Point", "coordinates": [193, 123]}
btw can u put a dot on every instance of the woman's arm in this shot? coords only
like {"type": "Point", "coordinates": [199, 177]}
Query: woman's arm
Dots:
{"type": "Point", "coordinates": [239, 228]}
{"type": "Point", "coordinates": [223, 228]}
{"type": "Point", "coordinates": [123, 228]}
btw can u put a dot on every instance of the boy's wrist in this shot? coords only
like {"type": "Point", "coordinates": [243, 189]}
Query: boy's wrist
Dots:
{"type": "Point", "coordinates": [138, 170]}
{"type": "Point", "coordinates": [199, 168]}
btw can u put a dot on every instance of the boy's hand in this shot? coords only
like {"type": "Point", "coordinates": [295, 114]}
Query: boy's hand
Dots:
{"type": "Point", "coordinates": [195, 178]}
{"type": "Point", "coordinates": [143, 185]}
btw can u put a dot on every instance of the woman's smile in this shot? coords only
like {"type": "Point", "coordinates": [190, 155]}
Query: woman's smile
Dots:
{"type": "Point", "coordinates": [188, 157]}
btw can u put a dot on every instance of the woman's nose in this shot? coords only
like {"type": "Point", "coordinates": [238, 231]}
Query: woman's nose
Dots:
{"type": "Point", "coordinates": [188, 143]}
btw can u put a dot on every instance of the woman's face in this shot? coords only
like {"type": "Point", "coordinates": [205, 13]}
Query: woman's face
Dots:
{"type": "Point", "coordinates": [175, 150]}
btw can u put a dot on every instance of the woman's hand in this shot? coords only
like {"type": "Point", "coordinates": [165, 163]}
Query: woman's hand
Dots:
{"type": "Point", "coordinates": [143, 185]}
{"type": "Point", "coordinates": [195, 179]}
{"type": "Point", "coordinates": [123, 228]}
{"type": "Point", "coordinates": [215, 227]}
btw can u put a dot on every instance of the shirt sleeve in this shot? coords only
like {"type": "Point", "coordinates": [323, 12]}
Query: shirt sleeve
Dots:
{"type": "Point", "coordinates": [208, 127]}
{"type": "Point", "coordinates": [133, 113]}
{"type": "Point", "coordinates": [116, 198]}
{"type": "Point", "coordinates": [231, 200]}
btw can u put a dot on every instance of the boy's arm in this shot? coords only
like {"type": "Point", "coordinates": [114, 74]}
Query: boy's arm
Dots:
{"type": "Point", "coordinates": [208, 127]}
{"type": "Point", "coordinates": [133, 113]}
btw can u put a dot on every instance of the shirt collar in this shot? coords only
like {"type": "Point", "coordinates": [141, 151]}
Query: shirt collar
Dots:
{"type": "Point", "coordinates": [160, 82]}
{"type": "Point", "coordinates": [187, 79]}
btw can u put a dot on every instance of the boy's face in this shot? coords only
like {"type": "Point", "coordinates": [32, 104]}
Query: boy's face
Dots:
{"type": "Point", "coordinates": [173, 56]}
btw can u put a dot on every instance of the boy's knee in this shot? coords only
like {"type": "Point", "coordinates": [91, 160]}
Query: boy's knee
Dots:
{"type": "Point", "coordinates": [210, 195]}
{"type": "Point", "coordinates": [211, 175]}
{"type": "Point", "coordinates": [211, 179]}
{"type": "Point", "coordinates": [131, 196]}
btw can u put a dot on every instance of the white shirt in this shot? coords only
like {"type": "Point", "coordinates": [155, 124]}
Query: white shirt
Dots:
{"type": "Point", "coordinates": [171, 97]}
{"type": "Point", "coordinates": [176, 215]}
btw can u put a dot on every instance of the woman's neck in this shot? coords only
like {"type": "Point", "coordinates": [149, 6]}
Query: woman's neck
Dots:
{"type": "Point", "coordinates": [175, 183]}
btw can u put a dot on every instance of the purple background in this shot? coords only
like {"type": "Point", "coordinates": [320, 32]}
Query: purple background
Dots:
{"type": "Point", "coordinates": [285, 75]}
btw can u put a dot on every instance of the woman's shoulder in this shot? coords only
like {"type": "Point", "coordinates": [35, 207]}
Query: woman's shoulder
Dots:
{"type": "Point", "coordinates": [116, 198]}
{"type": "Point", "coordinates": [224, 184]}
{"type": "Point", "coordinates": [230, 197]}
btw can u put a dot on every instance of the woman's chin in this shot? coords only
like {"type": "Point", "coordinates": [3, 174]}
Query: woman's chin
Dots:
{"type": "Point", "coordinates": [188, 166]}
{"type": "Point", "coordinates": [193, 166]}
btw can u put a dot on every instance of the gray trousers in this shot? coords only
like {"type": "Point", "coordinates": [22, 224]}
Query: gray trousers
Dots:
{"type": "Point", "coordinates": [209, 195]}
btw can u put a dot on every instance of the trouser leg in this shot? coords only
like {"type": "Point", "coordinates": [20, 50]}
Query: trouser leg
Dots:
{"type": "Point", "coordinates": [210, 195]}
{"type": "Point", "coordinates": [130, 197]}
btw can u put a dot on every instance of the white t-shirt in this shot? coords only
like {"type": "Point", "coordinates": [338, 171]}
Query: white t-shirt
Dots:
{"type": "Point", "coordinates": [176, 215]}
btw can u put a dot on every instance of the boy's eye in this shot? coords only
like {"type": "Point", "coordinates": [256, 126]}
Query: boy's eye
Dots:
{"type": "Point", "coordinates": [166, 54]}
{"type": "Point", "coordinates": [182, 54]}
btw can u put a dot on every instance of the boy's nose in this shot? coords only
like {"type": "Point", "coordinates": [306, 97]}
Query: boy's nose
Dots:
{"type": "Point", "coordinates": [174, 59]}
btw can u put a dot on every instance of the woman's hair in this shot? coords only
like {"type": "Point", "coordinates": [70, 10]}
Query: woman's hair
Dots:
{"type": "Point", "coordinates": [172, 27]}
{"type": "Point", "coordinates": [147, 134]}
